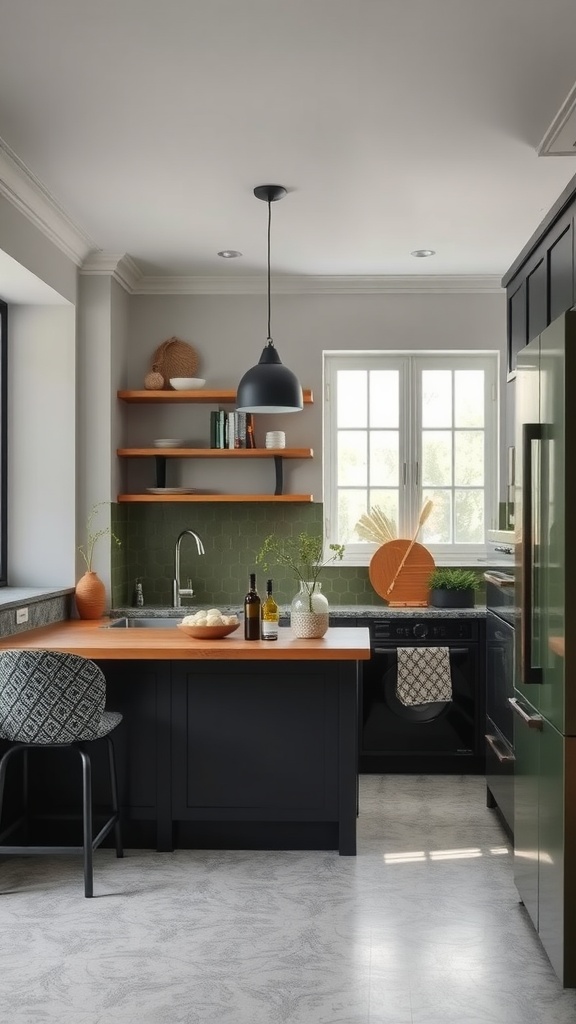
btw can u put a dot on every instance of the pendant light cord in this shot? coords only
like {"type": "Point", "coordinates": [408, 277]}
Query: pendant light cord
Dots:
{"type": "Point", "coordinates": [270, 342]}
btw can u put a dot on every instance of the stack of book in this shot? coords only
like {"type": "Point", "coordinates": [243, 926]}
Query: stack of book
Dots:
{"type": "Point", "coordinates": [231, 429]}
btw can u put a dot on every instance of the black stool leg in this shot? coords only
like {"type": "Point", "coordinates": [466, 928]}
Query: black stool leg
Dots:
{"type": "Point", "coordinates": [87, 822]}
{"type": "Point", "coordinates": [3, 767]}
{"type": "Point", "coordinates": [25, 778]}
{"type": "Point", "coordinates": [114, 791]}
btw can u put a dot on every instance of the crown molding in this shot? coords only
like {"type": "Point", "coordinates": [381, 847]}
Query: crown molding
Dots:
{"type": "Point", "coordinates": [119, 266]}
{"type": "Point", "coordinates": [560, 138]}
{"type": "Point", "coordinates": [27, 193]}
{"type": "Point", "coordinates": [319, 285]}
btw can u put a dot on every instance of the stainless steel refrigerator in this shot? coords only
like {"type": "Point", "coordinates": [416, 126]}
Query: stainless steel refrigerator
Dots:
{"type": "Point", "coordinates": [544, 701]}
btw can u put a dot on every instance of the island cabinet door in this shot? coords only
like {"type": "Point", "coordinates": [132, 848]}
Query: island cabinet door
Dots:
{"type": "Point", "coordinates": [140, 690]}
{"type": "Point", "coordinates": [254, 741]}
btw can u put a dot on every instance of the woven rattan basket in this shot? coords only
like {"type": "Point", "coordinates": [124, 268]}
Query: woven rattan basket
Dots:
{"type": "Point", "coordinates": [173, 358]}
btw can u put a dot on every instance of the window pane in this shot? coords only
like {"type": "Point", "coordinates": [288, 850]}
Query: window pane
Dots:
{"type": "Point", "coordinates": [351, 397]}
{"type": "Point", "coordinates": [351, 505]}
{"type": "Point", "coordinates": [436, 398]}
{"type": "Point", "coordinates": [469, 458]}
{"type": "Point", "coordinates": [469, 398]}
{"type": "Point", "coordinates": [469, 515]}
{"type": "Point", "coordinates": [387, 502]}
{"type": "Point", "coordinates": [436, 458]}
{"type": "Point", "coordinates": [384, 398]}
{"type": "Point", "coordinates": [384, 458]}
{"type": "Point", "coordinates": [437, 528]}
{"type": "Point", "coordinates": [352, 458]}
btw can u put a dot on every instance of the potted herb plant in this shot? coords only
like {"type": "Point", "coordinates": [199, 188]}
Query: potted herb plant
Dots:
{"type": "Point", "coordinates": [452, 588]}
{"type": "Point", "coordinates": [303, 556]}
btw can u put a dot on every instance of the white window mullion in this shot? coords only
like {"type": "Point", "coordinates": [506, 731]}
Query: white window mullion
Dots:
{"type": "Point", "coordinates": [410, 367]}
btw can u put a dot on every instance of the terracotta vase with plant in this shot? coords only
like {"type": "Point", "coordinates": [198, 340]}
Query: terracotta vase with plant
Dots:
{"type": "Point", "coordinates": [303, 556]}
{"type": "Point", "coordinates": [90, 591]}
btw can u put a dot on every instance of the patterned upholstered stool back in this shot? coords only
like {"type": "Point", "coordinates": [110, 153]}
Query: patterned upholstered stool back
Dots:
{"type": "Point", "coordinates": [48, 697]}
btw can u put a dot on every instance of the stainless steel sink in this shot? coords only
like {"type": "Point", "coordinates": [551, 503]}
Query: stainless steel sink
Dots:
{"type": "Point", "coordinates": [143, 623]}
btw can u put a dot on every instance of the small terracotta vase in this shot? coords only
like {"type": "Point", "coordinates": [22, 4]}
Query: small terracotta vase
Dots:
{"type": "Point", "coordinates": [90, 596]}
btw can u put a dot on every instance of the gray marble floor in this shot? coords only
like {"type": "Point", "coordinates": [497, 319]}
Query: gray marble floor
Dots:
{"type": "Point", "coordinates": [422, 927]}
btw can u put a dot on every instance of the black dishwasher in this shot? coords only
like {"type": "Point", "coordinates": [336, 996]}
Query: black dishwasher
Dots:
{"type": "Point", "coordinates": [440, 737]}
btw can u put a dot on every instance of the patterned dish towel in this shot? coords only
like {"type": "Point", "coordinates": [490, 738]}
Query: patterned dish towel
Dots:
{"type": "Point", "coordinates": [423, 675]}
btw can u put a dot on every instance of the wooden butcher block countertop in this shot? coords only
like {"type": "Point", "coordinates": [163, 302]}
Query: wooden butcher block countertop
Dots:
{"type": "Point", "coordinates": [90, 640]}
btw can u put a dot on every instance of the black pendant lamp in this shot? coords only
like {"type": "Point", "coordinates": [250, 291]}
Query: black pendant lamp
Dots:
{"type": "Point", "coordinates": [269, 386]}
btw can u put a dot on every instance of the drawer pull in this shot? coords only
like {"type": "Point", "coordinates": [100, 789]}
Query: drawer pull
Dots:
{"type": "Point", "coordinates": [494, 745]}
{"type": "Point", "coordinates": [532, 721]}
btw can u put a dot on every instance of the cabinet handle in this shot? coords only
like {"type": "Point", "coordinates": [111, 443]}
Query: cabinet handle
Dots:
{"type": "Point", "coordinates": [529, 673]}
{"type": "Point", "coordinates": [532, 721]}
{"type": "Point", "coordinates": [495, 746]}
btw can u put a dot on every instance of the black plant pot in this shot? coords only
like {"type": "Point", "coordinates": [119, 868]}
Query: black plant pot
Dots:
{"type": "Point", "coordinates": [446, 598]}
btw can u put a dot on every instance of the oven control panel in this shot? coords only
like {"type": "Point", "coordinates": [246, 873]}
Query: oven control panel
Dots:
{"type": "Point", "coordinates": [437, 630]}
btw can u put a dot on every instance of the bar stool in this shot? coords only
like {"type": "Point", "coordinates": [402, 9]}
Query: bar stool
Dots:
{"type": "Point", "coordinates": [49, 700]}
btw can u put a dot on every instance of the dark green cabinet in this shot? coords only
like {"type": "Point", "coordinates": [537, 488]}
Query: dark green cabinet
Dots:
{"type": "Point", "coordinates": [544, 840]}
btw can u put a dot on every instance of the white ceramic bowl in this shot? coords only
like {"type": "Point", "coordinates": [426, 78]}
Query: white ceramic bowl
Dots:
{"type": "Point", "coordinates": [207, 632]}
{"type": "Point", "coordinates": [187, 383]}
{"type": "Point", "coordinates": [169, 442]}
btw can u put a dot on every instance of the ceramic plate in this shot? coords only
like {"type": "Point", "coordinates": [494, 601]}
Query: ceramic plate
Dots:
{"type": "Point", "coordinates": [169, 442]}
{"type": "Point", "coordinates": [175, 490]}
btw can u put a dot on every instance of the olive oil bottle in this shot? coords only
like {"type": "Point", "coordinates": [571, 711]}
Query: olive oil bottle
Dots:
{"type": "Point", "coordinates": [252, 611]}
{"type": "Point", "coordinates": [270, 615]}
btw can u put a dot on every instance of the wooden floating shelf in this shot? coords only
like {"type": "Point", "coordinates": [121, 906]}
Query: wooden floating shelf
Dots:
{"type": "Point", "coordinates": [293, 498]}
{"type": "Point", "coordinates": [226, 397]}
{"type": "Point", "coordinates": [217, 453]}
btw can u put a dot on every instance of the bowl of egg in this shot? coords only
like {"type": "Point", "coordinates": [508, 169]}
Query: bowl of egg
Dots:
{"type": "Point", "coordinates": [209, 625]}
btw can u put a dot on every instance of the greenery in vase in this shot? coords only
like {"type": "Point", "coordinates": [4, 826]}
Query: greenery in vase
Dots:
{"type": "Point", "coordinates": [302, 555]}
{"type": "Point", "coordinates": [453, 579]}
{"type": "Point", "coordinates": [93, 535]}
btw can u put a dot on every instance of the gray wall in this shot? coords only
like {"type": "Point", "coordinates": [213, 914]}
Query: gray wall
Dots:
{"type": "Point", "coordinates": [228, 332]}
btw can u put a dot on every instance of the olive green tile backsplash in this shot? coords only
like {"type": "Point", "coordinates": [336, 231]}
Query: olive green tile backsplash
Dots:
{"type": "Point", "coordinates": [232, 535]}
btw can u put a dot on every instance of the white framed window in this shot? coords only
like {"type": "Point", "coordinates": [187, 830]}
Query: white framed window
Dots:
{"type": "Point", "coordinates": [402, 428]}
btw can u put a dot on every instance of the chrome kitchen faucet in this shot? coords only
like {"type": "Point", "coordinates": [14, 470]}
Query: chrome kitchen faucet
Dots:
{"type": "Point", "coordinates": [177, 591]}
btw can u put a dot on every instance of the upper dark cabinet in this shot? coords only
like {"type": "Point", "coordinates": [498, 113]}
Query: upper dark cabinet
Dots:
{"type": "Point", "coordinates": [560, 252]}
{"type": "Point", "coordinates": [537, 297]}
{"type": "Point", "coordinates": [517, 325]}
{"type": "Point", "coordinates": [540, 283]}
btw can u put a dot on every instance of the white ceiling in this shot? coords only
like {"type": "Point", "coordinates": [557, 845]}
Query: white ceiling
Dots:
{"type": "Point", "coordinates": [394, 124]}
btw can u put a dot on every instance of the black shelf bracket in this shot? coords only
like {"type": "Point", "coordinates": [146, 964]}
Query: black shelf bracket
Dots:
{"type": "Point", "coordinates": [160, 461]}
{"type": "Point", "coordinates": [278, 463]}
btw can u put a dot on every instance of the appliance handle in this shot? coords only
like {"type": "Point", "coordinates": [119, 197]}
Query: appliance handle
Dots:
{"type": "Point", "coordinates": [529, 673]}
{"type": "Point", "coordinates": [499, 580]}
{"type": "Point", "coordinates": [392, 650]}
{"type": "Point", "coordinates": [494, 745]}
{"type": "Point", "coordinates": [532, 721]}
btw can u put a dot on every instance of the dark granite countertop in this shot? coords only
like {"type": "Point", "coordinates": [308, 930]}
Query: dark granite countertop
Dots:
{"type": "Point", "coordinates": [342, 611]}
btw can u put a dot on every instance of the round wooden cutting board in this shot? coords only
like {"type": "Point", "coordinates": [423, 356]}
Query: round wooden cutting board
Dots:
{"type": "Point", "coordinates": [411, 587]}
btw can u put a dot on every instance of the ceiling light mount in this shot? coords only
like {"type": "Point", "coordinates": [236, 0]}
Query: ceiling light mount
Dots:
{"type": "Point", "coordinates": [270, 193]}
{"type": "Point", "coordinates": [269, 386]}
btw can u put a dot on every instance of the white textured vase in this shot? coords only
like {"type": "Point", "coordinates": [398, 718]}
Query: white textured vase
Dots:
{"type": "Point", "coordinates": [309, 612]}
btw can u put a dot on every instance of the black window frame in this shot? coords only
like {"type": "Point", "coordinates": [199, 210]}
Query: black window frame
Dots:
{"type": "Point", "coordinates": [3, 443]}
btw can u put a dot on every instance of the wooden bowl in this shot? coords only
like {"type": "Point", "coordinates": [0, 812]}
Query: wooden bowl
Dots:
{"type": "Point", "coordinates": [207, 632]}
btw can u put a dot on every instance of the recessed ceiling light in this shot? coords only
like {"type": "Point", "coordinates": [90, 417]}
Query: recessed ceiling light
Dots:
{"type": "Point", "coordinates": [229, 254]}
{"type": "Point", "coordinates": [423, 252]}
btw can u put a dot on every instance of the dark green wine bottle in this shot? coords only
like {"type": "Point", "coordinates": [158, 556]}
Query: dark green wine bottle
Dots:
{"type": "Point", "coordinates": [252, 611]}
